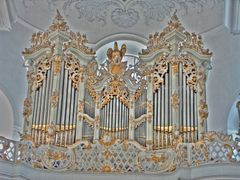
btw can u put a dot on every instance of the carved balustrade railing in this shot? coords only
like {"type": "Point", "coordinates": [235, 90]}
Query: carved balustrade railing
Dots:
{"type": "Point", "coordinates": [118, 156]}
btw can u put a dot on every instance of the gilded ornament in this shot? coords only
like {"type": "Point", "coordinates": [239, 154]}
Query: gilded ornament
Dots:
{"type": "Point", "coordinates": [75, 70]}
{"type": "Point", "coordinates": [80, 106]}
{"type": "Point", "coordinates": [54, 99]}
{"type": "Point", "coordinates": [115, 88]}
{"type": "Point", "coordinates": [195, 43]}
{"type": "Point", "coordinates": [56, 65]}
{"type": "Point", "coordinates": [106, 169]}
{"type": "Point", "coordinates": [27, 107]}
{"type": "Point", "coordinates": [175, 68]}
{"type": "Point", "coordinates": [59, 24]}
{"type": "Point", "coordinates": [157, 159]}
{"type": "Point", "coordinates": [203, 111]}
{"type": "Point", "coordinates": [160, 69]}
{"type": "Point", "coordinates": [149, 106]}
{"type": "Point", "coordinates": [78, 42]}
{"type": "Point", "coordinates": [40, 75]}
{"type": "Point", "coordinates": [175, 100]}
{"type": "Point", "coordinates": [201, 81]}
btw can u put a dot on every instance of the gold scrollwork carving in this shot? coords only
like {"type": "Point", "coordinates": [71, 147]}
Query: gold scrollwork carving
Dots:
{"type": "Point", "coordinates": [81, 106]}
{"type": "Point", "coordinates": [160, 68]}
{"type": "Point", "coordinates": [27, 107]}
{"type": "Point", "coordinates": [175, 100]}
{"type": "Point", "coordinates": [54, 99]}
{"type": "Point", "coordinates": [40, 75]}
{"type": "Point", "coordinates": [76, 72]}
{"type": "Point", "coordinates": [194, 42]}
{"type": "Point", "coordinates": [203, 111]}
{"type": "Point", "coordinates": [115, 88]}
{"type": "Point", "coordinates": [56, 65]}
{"type": "Point", "coordinates": [190, 71]}
{"type": "Point", "coordinates": [59, 24]}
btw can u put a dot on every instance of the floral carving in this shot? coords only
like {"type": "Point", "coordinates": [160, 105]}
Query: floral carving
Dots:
{"type": "Point", "coordinates": [54, 99]}
{"type": "Point", "coordinates": [203, 111]}
{"type": "Point", "coordinates": [40, 75]}
{"type": "Point", "coordinates": [160, 68]}
{"type": "Point", "coordinates": [125, 14]}
{"type": "Point", "coordinates": [175, 100]}
{"type": "Point", "coordinates": [75, 70]}
{"type": "Point", "coordinates": [27, 107]}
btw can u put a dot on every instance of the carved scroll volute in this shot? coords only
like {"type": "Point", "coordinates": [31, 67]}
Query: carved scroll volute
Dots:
{"type": "Point", "coordinates": [201, 100]}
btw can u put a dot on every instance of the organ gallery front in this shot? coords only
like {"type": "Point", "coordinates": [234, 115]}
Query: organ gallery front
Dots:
{"type": "Point", "coordinates": [116, 116]}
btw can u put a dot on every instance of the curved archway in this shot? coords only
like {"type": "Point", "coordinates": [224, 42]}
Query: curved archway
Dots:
{"type": "Point", "coordinates": [233, 118]}
{"type": "Point", "coordinates": [118, 37]}
{"type": "Point", "coordinates": [133, 48]}
{"type": "Point", "coordinates": [6, 116]}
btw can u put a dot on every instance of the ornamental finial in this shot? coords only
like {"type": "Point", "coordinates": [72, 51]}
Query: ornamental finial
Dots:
{"type": "Point", "coordinates": [59, 23]}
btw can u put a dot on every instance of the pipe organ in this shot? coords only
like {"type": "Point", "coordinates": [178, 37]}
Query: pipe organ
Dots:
{"type": "Point", "coordinates": [158, 100]}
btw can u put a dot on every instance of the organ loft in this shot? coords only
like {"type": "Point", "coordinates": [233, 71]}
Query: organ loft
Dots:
{"type": "Point", "coordinates": [87, 114]}
{"type": "Point", "coordinates": [157, 99]}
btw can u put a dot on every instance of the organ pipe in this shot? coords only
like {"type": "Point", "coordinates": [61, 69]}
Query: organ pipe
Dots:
{"type": "Point", "coordinates": [154, 101]}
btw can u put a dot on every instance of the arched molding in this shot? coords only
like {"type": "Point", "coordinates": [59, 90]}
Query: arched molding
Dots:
{"type": "Point", "coordinates": [233, 118]}
{"type": "Point", "coordinates": [7, 114]}
{"type": "Point", "coordinates": [116, 37]}
{"type": "Point", "coordinates": [16, 116]}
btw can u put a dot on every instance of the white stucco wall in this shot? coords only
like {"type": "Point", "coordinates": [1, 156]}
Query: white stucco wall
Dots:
{"type": "Point", "coordinates": [6, 117]}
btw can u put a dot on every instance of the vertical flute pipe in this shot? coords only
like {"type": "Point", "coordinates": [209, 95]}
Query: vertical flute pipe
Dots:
{"type": "Point", "coordinates": [174, 115]}
{"type": "Point", "coordinates": [124, 119]}
{"type": "Point", "coordinates": [166, 101]}
{"type": "Point", "coordinates": [184, 124]}
{"type": "Point", "coordinates": [180, 97]}
{"type": "Point", "coordinates": [192, 112]}
{"type": "Point", "coordinates": [119, 119]}
{"type": "Point", "coordinates": [131, 116]}
{"type": "Point", "coordinates": [97, 117]}
{"type": "Point", "coordinates": [159, 115]}
{"type": "Point", "coordinates": [67, 106]}
{"type": "Point", "coordinates": [123, 122]}
{"type": "Point", "coordinates": [32, 120]}
{"type": "Point", "coordinates": [187, 112]}
{"type": "Point", "coordinates": [195, 117]}
{"type": "Point", "coordinates": [35, 114]}
{"type": "Point", "coordinates": [193, 105]}
{"type": "Point", "coordinates": [74, 120]}
{"type": "Point", "coordinates": [60, 104]}
{"type": "Point", "coordinates": [155, 102]}
{"type": "Point", "coordinates": [44, 109]}
{"type": "Point", "coordinates": [155, 128]}
{"type": "Point", "coordinates": [54, 89]}
{"type": "Point", "coordinates": [71, 116]}
{"type": "Point", "coordinates": [149, 124]}
{"type": "Point", "coordinates": [39, 115]}
{"type": "Point", "coordinates": [46, 106]}
{"type": "Point", "coordinates": [62, 125]}
{"type": "Point", "coordinates": [127, 124]}
{"type": "Point", "coordinates": [110, 114]}
{"type": "Point", "coordinates": [116, 117]}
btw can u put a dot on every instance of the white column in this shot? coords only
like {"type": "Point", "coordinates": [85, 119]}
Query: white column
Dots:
{"type": "Point", "coordinates": [149, 122]}
{"type": "Point", "coordinates": [81, 91]}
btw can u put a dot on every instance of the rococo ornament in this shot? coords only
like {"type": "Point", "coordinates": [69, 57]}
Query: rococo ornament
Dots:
{"type": "Point", "coordinates": [118, 117]}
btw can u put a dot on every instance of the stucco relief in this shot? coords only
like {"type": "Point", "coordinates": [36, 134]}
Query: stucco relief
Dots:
{"type": "Point", "coordinates": [125, 13]}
